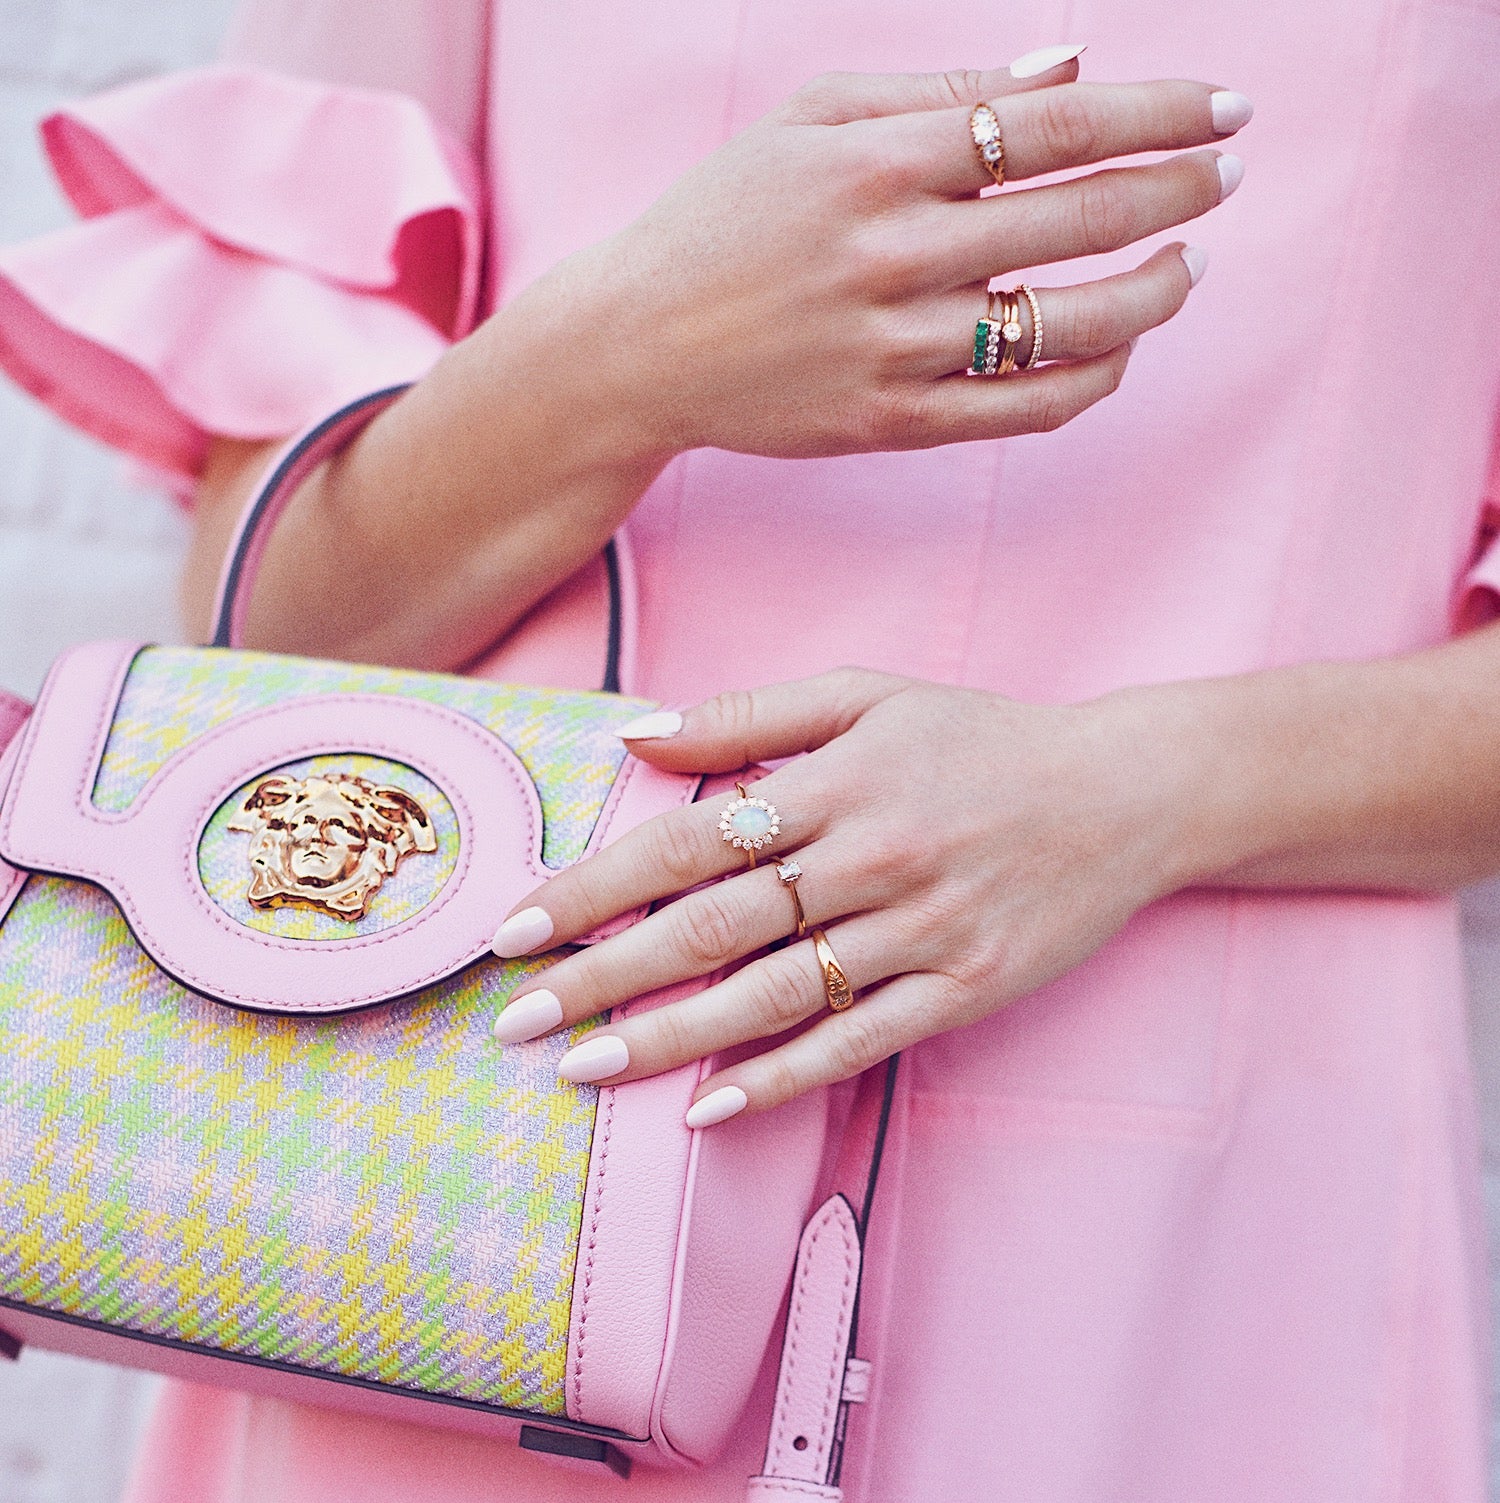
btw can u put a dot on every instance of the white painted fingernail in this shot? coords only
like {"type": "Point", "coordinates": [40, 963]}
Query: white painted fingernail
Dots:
{"type": "Point", "coordinates": [594, 1059]}
{"type": "Point", "coordinates": [656, 726]}
{"type": "Point", "coordinates": [528, 1017]}
{"type": "Point", "coordinates": [717, 1106]}
{"type": "Point", "coordinates": [522, 933]}
{"type": "Point", "coordinates": [1195, 258]}
{"type": "Point", "coordinates": [1231, 111]}
{"type": "Point", "coordinates": [1231, 170]}
{"type": "Point", "coordinates": [1039, 61]}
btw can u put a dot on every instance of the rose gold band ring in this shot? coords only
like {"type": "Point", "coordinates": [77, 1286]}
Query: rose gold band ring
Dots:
{"type": "Point", "coordinates": [984, 128]}
{"type": "Point", "coordinates": [789, 872]}
{"type": "Point", "coordinates": [836, 986]}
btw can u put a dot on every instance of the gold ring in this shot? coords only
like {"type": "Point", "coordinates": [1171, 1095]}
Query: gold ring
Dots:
{"type": "Point", "coordinates": [789, 871]}
{"type": "Point", "coordinates": [835, 983]}
{"type": "Point", "coordinates": [748, 823]}
{"type": "Point", "coordinates": [996, 336]}
{"type": "Point", "coordinates": [984, 127]}
{"type": "Point", "coordinates": [1036, 326]}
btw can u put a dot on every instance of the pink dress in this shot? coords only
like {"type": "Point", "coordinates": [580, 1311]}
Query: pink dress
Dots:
{"type": "Point", "coordinates": [1201, 1220]}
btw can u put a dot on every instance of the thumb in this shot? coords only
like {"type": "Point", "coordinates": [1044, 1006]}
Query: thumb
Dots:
{"type": "Point", "coordinates": [734, 729]}
{"type": "Point", "coordinates": [838, 98]}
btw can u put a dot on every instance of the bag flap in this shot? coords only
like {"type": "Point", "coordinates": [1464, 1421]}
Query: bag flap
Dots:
{"type": "Point", "coordinates": [294, 836]}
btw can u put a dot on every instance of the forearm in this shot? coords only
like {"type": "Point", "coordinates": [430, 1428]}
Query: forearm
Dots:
{"type": "Point", "coordinates": [498, 475]}
{"type": "Point", "coordinates": [1378, 775]}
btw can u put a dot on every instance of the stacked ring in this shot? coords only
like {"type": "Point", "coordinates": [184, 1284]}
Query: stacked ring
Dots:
{"type": "Point", "coordinates": [996, 336]}
{"type": "Point", "coordinates": [984, 127]}
{"type": "Point", "coordinates": [789, 871]}
{"type": "Point", "coordinates": [1034, 358]}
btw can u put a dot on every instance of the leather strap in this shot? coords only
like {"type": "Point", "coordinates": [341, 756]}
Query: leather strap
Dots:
{"type": "Point", "coordinates": [819, 1379]}
{"type": "Point", "coordinates": [322, 442]}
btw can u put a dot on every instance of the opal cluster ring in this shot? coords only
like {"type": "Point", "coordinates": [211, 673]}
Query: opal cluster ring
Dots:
{"type": "Point", "coordinates": [836, 988]}
{"type": "Point", "coordinates": [997, 335]}
{"type": "Point", "coordinates": [749, 824]}
{"type": "Point", "coordinates": [788, 871]}
{"type": "Point", "coordinates": [984, 128]}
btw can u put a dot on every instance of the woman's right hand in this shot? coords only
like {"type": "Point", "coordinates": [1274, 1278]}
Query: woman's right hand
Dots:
{"type": "Point", "coordinates": [812, 287]}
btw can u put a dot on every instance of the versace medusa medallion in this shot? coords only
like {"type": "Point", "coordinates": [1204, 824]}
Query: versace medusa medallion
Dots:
{"type": "Point", "coordinates": [328, 842]}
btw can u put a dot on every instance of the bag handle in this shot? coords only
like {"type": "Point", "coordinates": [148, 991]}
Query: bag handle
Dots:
{"type": "Point", "coordinates": [321, 442]}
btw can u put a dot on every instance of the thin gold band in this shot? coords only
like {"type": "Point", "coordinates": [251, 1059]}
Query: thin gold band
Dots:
{"type": "Point", "coordinates": [836, 986]}
{"type": "Point", "coordinates": [1036, 326]}
{"type": "Point", "coordinates": [789, 872]}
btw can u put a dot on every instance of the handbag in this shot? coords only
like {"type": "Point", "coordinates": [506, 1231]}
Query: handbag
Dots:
{"type": "Point", "coordinates": [254, 1130]}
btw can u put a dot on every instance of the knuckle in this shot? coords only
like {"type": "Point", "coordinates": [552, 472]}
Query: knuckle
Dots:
{"type": "Point", "coordinates": [673, 1031]}
{"type": "Point", "coordinates": [819, 95]}
{"type": "Point", "coordinates": [958, 86]}
{"type": "Point", "coordinates": [1067, 128]}
{"type": "Point", "coordinates": [775, 997]}
{"type": "Point", "coordinates": [1105, 222]}
{"type": "Point", "coordinates": [734, 714]}
{"type": "Point", "coordinates": [1089, 327]}
{"type": "Point", "coordinates": [881, 261]}
{"type": "Point", "coordinates": [708, 928]}
{"type": "Point", "coordinates": [779, 1078]}
{"type": "Point", "coordinates": [1045, 410]}
{"type": "Point", "coordinates": [862, 1037]}
{"type": "Point", "coordinates": [678, 853]}
{"type": "Point", "coordinates": [902, 419]}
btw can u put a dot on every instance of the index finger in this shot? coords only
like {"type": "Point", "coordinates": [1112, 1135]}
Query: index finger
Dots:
{"type": "Point", "coordinates": [1072, 125]}
{"type": "Point", "coordinates": [659, 859]}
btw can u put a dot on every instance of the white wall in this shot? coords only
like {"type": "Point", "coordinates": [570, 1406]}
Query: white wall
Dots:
{"type": "Point", "coordinates": [83, 554]}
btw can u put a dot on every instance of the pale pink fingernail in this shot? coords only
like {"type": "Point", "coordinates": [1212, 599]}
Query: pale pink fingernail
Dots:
{"type": "Point", "coordinates": [717, 1106]}
{"type": "Point", "coordinates": [1231, 111]}
{"type": "Point", "coordinates": [528, 1017]}
{"type": "Point", "coordinates": [1195, 258]}
{"type": "Point", "coordinates": [1039, 61]}
{"type": "Point", "coordinates": [594, 1059]}
{"type": "Point", "coordinates": [1231, 171]}
{"type": "Point", "coordinates": [656, 726]}
{"type": "Point", "coordinates": [522, 933]}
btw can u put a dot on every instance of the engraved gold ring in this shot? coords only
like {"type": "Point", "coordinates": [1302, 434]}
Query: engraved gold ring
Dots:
{"type": "Point", "coordinates": [748, 823]}
{"type": "Point", "coordinates": [836, 986]}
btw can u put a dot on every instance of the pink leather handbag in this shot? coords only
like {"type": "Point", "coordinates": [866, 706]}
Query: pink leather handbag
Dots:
{"type": "Point", "coordinates": [254, 1129]}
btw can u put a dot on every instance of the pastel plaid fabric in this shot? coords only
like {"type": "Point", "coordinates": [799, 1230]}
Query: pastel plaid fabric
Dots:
{"type": "Point", "coordinates": [387, 1195]}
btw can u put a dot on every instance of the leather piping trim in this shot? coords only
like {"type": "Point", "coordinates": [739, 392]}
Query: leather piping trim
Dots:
{"type": "Point", "coordinates": [526, 1416]}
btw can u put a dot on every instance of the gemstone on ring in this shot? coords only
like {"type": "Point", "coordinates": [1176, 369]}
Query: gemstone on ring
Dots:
{"type": "Point", "coordinates": [788, 871]}
{"type": "Point", "coordinates": [749, 823]}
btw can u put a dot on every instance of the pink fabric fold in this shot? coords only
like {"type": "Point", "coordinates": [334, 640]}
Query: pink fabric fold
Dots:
{"type": "Point", "coordinates": [255, 251]}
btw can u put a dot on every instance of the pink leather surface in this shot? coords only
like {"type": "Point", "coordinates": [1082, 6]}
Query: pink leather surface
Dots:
{"type": "Point", "coordinates": [12, 879]}
{"type": "Point", "coordinates": [810, 1384]}
{"type": "Point", "coordinates": [786, 1490]}
{"type": "Point", "coordinates": [752, 1187]}
{"type": "Point", "coordinates": [99, 1345]}
{"type": "Point", "coordinates": [145, 857]}
{"type": "Point", "coordinates": [627, 1251]}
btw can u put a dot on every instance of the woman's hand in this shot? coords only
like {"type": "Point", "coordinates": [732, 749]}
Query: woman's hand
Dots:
{"type": "Point", "coordinates": [812, 287]}
{"type": "Point", "coordinates": [960, 849]}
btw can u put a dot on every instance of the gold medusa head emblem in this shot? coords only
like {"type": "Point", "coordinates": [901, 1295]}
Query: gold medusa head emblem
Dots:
{"type": "Point", "coordinates": [328, 842]}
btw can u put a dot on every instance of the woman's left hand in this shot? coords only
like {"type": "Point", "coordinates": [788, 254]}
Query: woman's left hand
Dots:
{"type": "Point", "coordinates": [960, 849]}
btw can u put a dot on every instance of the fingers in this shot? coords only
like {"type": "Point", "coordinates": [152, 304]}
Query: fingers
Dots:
{"type": "Point", "coordinates": [695, 936]}
{"type": "Point", "coordinates": [760, 1001]}
{"type": "Point", "coordinates": [881, 1022]}
{"type": "Point", "coordinates": [1086, 216]}
{"type": "Point", "coordinates": [959, 409]}
{"type": "Point", "coordinates": [838, 98]}
{"type": "Point", "coordinates": [743, 727]}
{"type": "Point", "coordinates": [1073, 125]}
{"type": "Point", "coordinates": [1078, 322]}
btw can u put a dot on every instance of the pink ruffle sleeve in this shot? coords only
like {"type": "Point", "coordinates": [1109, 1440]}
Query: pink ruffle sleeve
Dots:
{"type": "Point", "coordinates": [255, 250]}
